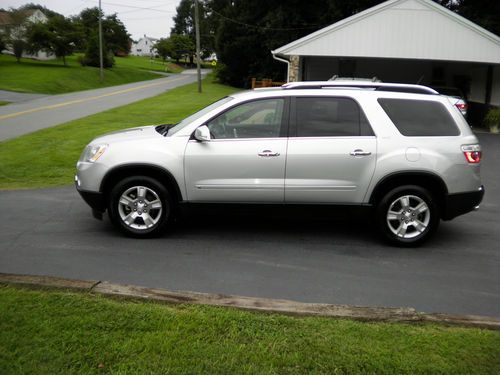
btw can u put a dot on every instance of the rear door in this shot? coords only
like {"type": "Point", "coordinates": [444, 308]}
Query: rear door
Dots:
{"type": "Point", "coordinates": [331, 151]}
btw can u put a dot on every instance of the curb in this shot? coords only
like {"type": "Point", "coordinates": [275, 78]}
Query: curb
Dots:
{"type": "Point", "coordinates": [374, 314]}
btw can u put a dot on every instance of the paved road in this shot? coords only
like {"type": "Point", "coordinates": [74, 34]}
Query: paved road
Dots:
{"type": "Point", "coordinates": [28, 116]}
{"type": "Point", "coordinates": [51, 232]}
{"type": "Point", "coordinates": [17, 97]}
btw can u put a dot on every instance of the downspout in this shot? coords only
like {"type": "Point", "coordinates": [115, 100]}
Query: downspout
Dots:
{"type": "Point", "coordinates": [287, 62]}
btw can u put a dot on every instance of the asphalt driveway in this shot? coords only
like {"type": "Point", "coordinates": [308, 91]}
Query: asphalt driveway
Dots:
{"type": "Point", "coordinates": [51, 232]}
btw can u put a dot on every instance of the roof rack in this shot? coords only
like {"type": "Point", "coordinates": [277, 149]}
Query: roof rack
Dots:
{"type": "Point", "coordinates": [375, 86]}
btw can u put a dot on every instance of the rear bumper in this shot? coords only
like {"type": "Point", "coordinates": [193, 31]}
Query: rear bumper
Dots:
{"type": "Point", "coordinates": [461, 203]}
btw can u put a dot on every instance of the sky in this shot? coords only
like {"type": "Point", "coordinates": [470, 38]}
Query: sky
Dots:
{"type": "Point", "coordinates": [150, 17]}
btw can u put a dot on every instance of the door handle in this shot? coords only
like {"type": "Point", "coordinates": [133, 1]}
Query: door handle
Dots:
{"type": "Point", "coordinates": [268, 153]}
{"type": "Point", "coordinates": [359, 152]}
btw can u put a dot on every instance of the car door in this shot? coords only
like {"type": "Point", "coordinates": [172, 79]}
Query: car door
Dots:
{"type": "Point", "coordinates": [331, 152]}
{"type": "Point", "coordinates": [244, 161]}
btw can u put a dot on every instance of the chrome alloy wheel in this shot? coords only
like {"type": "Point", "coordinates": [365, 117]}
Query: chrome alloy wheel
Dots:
{"type": "Point", "coordinates": [140, 207]}
{"type": "Point", "coordinates": [408, 216]}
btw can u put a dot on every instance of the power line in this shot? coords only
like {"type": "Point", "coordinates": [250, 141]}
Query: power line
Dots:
{"type": "Point", "coordinates": [267, 28]}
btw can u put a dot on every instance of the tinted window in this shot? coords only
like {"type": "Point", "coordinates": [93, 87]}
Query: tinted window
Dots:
{"type": "Point", "coordinates": [257, 119]}
{"type": "Point", "coordinates": [415, 118]}
{"type": "Point", "coordinates": [330, 117]}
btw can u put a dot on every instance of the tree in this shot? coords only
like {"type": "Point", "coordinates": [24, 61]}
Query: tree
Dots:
{"type": "Point", "coordinates": [165, 48]}
{"type": "Point", "coordinates": [58, 36]}
{"type": "Point", "coordinates": [182, 45]}
{"type": "Point", "coordinates": [15, 33]}
{"type": "Point", "coordinates": [114, 31]}
{"type": "Point", "coordinates": [184, 25]}
{"type": "Point", "coordinates": [91, 57]}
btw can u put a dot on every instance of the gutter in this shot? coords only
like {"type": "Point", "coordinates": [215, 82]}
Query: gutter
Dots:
{"type": "Point", "coordinates": [287, 62]}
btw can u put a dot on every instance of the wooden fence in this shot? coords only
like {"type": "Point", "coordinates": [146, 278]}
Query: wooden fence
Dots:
{"type": "Point", "coordinates": [265, 82]}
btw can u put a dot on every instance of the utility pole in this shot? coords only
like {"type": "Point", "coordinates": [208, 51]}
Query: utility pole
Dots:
{"type": "Point", "coordinates": [197, 27]}
{"type": "Point", "coordinates": [101, 64]}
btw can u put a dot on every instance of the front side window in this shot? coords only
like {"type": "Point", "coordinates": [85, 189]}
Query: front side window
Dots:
{"type": "Point", "coordinates": [330, 117]}
{"type": "Point", "coordinates": [257, 119]}
{"type": "Point", "coordinates": [419, 118]}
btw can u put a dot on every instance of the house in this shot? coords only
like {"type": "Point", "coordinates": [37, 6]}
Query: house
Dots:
{"type": "Point", "coordinates": [30, 16]}
{"type": "Point", "coordinates": [406, 41]}
{"type": "Point", "coordinates": [144, 47]}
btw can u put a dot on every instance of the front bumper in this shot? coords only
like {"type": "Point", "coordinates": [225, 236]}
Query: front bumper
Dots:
{"type": "Point", "coordinates": [94, 199]}
{"type": "Point", "coordinates": [461, 203]}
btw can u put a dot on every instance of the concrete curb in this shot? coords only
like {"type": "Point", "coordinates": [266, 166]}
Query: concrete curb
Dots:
{"type": "Point", "coordinates": [379, 314]}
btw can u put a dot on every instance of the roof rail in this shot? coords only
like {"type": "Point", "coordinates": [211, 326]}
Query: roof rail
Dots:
{"type": "Point", "coordinates": [375, 86]}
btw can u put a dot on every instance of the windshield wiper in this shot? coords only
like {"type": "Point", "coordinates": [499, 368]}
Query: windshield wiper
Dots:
{"type": "Point", "coordinates": [164, 128]}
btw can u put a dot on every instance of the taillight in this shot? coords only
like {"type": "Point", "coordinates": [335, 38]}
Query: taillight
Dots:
{"type": "Point", "coordinates": [472, 153]}
{"type": "Point", "coordinates": [461, 106]}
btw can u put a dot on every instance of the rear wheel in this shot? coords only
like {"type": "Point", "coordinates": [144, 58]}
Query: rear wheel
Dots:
{"type": "Point", "coordinates": [407, 215]}
{"type": "Point", "coordinates": [140, 206]}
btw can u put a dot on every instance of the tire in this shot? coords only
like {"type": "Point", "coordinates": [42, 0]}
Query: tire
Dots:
{"type": "Point", "coordinates": [407, 216]}
{"type": "Point", "coordinates": [140, 206]}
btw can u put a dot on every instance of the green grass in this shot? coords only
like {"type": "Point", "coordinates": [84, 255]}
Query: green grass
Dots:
{"type": "Point", "coordinates": [48, 157]}
{"type": "Point", "coordinates": [3, 103]}
{"type": "Point", "coordinates": [52, 77]}
{"type": "Point", "coordinates": [54, 332]}
{"type": "Point", "coordinates": [145, 63]}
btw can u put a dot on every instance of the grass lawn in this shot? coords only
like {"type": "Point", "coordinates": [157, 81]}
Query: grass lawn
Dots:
{"type": "Point", "coordinates": [52, 77]}
{"type": "Point", "coordinates": [3, 103]}
{"type": "Point", "coordinates": [145, 63]}
{"type": "Point", "coordinates": [48, 157]}
{"type": "Point", "coordinates": [55, 332]}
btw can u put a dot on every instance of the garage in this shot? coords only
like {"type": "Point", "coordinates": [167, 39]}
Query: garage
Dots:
{"type": "Point", "coordinates": [404, 41]}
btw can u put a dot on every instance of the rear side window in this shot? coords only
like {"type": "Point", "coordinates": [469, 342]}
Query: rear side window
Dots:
{"type": "Point", "coordinates": [330, 117]}
{"type": "Point", "coordinates": [419, 118]}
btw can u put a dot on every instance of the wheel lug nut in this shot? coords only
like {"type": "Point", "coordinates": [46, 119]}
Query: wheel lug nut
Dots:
{"type": "Point", "coordinates": [135, 209]}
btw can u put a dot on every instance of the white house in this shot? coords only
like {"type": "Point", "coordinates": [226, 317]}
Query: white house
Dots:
{"type": "Point", "coordinates": [144, 47]}
{"type": "Point", "coordinates": [31, 16]}
{"type": "Point", "coordinates": [407, 41]}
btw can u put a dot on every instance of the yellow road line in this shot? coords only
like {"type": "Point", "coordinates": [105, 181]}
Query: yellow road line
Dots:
{"type": "Point", "coordinates": [10, 115]}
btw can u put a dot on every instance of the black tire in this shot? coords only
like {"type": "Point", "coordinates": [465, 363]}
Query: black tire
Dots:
{"type": "Point", "coordinates": [405, 224]}
{"type": "Point", "coordinates": [136, 218]}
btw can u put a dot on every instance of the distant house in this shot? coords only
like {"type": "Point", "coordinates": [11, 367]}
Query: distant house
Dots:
{"type": "Point", "coordinates": [144, 47]}
{"type": "Point", "coordinates": [31, 16]}
{"type": "Point", "coordinates": [407, 41]}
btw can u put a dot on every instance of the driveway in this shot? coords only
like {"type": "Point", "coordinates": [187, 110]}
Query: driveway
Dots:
{"type": "Point", "coordinates": [51, 232]}
{"type": "Point", "coordinates": [47, 111]}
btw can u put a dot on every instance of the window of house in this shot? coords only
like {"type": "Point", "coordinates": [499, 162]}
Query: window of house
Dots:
{"type": "Point", "coordinates": [330, 117]}
{"type": "Point", "coordinates": [256, 119]}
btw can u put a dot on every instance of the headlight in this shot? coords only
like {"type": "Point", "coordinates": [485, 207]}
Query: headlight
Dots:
{"type": "Point", "coordinates": [93, 152]}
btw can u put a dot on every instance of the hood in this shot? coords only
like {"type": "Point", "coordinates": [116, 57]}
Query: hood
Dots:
{"type": "Point", "coordinates": [128, 134]}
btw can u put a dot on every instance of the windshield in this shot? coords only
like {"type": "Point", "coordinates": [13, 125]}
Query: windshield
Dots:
{"type": "Point", "coordinates": [195, 116]}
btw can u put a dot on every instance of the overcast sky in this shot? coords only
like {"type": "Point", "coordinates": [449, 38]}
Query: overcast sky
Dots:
{"type": "Point", "coordinates": [150, 17]}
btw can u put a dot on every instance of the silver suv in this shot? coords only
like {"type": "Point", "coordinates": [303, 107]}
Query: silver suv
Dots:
{"type": "Point", "coordinates": [403, 152]}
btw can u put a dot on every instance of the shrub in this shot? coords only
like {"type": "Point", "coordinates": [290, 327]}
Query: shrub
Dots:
{"type": "Point", "coordinates": [492, 119]}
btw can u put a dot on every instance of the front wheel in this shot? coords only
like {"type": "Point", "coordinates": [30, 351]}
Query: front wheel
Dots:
{"type": "Point", "coordinates": [407, 215]}
{"type": "Point", "coordinates": [140, 206]}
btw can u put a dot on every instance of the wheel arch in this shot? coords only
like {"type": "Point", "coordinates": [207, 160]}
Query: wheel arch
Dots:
{"type": "Point", "coordinates": [138, 169]}
{"type": "Point", "coordinates": [428, 180]}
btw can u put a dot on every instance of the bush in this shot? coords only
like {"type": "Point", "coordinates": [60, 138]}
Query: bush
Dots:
{"type": "Point", "coordinates": [492, 120]}
{"type": "Point", "coordinates": [91, 57]}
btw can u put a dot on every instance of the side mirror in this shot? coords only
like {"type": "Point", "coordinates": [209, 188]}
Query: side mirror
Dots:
{"type": "Point", "coordinates": [202, 134]}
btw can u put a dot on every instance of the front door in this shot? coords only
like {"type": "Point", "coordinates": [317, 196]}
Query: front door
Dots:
{"type": "Point", "coordinates": [245, 159]}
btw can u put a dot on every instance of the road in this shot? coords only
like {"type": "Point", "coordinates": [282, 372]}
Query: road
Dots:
{"type": "Point", "coordinates": [51, 232]}
{"type": "Point", "coordinates": [28, 116]}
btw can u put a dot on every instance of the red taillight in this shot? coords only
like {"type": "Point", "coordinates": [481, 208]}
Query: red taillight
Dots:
{"type": "Point", "coordinates": [461, 106]}
{"type": "Point", "coordinates": [472, 153]}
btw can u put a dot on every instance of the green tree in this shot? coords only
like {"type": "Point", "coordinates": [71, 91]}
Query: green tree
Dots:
{"type": "Point", "coordinates": [182, 46]}
{"type": "Point", "coordinates": [58, 36]}
{"type": "Point", "coordinates": [15, 33]}
{"type": "Point", "coordinates": [165, 48]}
{"type": "Point", "coordinates": [114, 31]}
{"type": "Point", "coordinates": [91, 57]}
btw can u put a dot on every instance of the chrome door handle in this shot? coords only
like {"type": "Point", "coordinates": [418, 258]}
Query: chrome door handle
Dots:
{"type": "Point", "coordinates": [268, 153]}
{"type": "Point", "coordinates": [359, 152]}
